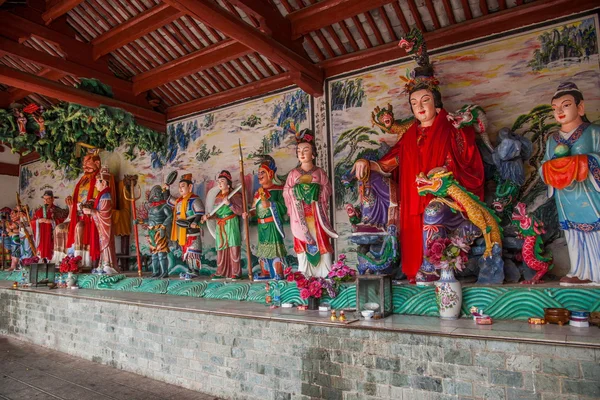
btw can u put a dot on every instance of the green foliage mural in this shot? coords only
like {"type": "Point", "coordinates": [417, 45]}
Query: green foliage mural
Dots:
{"type": "Point", "coordinates": [346, 94]}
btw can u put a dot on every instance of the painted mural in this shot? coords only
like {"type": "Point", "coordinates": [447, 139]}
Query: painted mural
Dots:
{"type": "Point", "coordinates": [512, 78]}
{"type": "Point", "coordinates": [203, 145]}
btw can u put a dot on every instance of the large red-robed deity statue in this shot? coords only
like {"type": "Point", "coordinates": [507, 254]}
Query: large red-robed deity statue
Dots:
{"type": "Point", "coordinates": [430, 142]}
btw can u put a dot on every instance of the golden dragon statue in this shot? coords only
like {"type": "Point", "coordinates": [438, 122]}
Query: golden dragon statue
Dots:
{"type": "Point", "coordinates": [441, 183]}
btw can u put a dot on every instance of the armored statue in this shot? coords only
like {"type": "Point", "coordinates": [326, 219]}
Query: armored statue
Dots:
{"type": "Point", "coordinates": [188, 209]}
{"type": "Point", "coordinates": [158, 224]}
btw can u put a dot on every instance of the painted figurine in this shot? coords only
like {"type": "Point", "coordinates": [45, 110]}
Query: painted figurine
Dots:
{"type": "Point", "coordinates": [44, 222]}
{"type": "Point", "coordinates": [158, 224]}
{"type": "Point", "coordinates": [13, 232]}
{"type": "Point", "coordinates": [78, 231]}
{"type": "Point", "coordinates": [102, 243]}
{"type": "Point", "coordinates": [571, 169]}
{"type": "Point", "coordinates": [531, 230]}
{"type": "Point", "coordinates": [430, 142]}
{"type": "Point", "coordinates": [228, 238]}
{"type": "Point", "coordinates": [21, 121]}
{"type": "Point", "coordinates": [307, 192]}
{"type": "Point", "coordinates": [188, 209]}
{"type": "Point", "coordinates": [269, 208]}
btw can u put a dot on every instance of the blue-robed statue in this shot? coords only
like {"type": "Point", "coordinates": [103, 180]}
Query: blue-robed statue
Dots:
{"type": "Point", "coordinates": [571, 169]}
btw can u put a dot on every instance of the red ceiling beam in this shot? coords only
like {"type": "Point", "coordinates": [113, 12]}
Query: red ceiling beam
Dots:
{"type": "Point", "coordinates": [134, 28]}
{"type": "Point", "coordinates": [122, 89]}
{"type": "Point", "coordinates": [9, 169]}
{"type": "Point", "coordinates": [502, 21]}
{"type": "Point", "coordinates": [57, 8]}
{"type": "Point", "coordinates": [200, 60]}
{"type": "Point", "coordinates": [212, 14]}
{"type": "Point", "coordinates": [46, 87]}
{"type": "Point", "coordinates": [229, 96]}
{"type": "Point", "coordinates": [328, 12]}
{"type": "Point", "coordinates": [20, 29]}
{"type": "Point", "coordinates": [15, 94]}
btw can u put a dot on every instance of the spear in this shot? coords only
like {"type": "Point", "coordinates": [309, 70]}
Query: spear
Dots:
{"type": "Point", "coordinates": [132, 198]}
{"type": "Point", "coordinates": [245, 208]}
{"type": "Point", "coordinates": [25, 209]}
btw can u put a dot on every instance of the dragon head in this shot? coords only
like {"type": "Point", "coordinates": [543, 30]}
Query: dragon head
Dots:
{"type": "Point", "coordinates": [500, 203]}
{"type": "Point", "coordinates": [520, 217]}
{"type": "Point", "coordinates": [384, 116]}
{"type": "Point", "coordinates": [412, 42]}
{"type": "Point", "coordinates": [437, 182]}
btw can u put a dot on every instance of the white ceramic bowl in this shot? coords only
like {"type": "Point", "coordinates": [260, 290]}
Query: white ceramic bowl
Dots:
{"type": "Point", "coordinates": [372, 306]}
{"type": "Point", "coordinates": [367, 314]}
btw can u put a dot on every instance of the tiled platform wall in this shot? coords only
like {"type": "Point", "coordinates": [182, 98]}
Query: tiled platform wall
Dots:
{"type": "Point", "coordinates": [238, 358]}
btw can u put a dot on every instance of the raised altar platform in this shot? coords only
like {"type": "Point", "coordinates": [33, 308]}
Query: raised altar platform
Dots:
{"type": "Point", "coordinates": [245, 350]}
{"type": "Point", "coordinates": [506, 302]}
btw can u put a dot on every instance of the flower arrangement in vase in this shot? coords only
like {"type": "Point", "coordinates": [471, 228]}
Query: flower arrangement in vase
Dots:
{"type": "Point", "coordinates": [447, 255]}
{"type": "Point", "coordinates": [70, 265]}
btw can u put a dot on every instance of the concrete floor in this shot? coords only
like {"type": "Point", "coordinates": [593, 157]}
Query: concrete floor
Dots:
{"type": "Point", "coordinates": [29, 372]}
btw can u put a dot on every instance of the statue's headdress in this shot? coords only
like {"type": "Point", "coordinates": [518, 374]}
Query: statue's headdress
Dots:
{"type": "Point", "coordinates": [225, 174]}
{"type": "Point", "coordinates": [267, 162]}
{"type": "Point", "coordinates": [49, 193]}
{"type": "Point", "coordinates": [305, 136]}
{"type": "Point", "coordinates": [566, 88]}
{"type": "Point", "coordinates": [187, 178]}
{"type": "Point", "coordinates": [422, 77]}
{"type": "Point", "coordinates": [104, 174]}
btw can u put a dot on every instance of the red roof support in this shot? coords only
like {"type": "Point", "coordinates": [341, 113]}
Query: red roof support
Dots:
{"type": "Point", "coordinates": [9, 169]}
{"type": "Point", "coordinates": [215, 16]}
{"type": "Point", "coordinates": [502, 21]}
{"type": "Point", "coordinates": [46, 87]}
{"type": "Point", "coordinates": [134, 28]}
{"type": "Point", "coordinates": [229, 96]}
{"type": "Point", "coordinates": [199, 60]}
{"type": "Point", "coordinates": [57, 8]}
{"type": "Point", "coordinates": [328, 12]}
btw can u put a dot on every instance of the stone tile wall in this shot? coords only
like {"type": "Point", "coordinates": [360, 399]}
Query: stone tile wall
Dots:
{"type": "Point", "coordinates": [256, 359]}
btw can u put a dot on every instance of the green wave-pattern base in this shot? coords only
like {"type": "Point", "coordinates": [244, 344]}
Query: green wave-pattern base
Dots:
{"type": "Point", "coordinates": [500, 302]}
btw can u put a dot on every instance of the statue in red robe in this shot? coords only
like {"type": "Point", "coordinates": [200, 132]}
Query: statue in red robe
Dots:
{"type": "Point", "coordinates": [44, 221]}
{"type": "Point", "coordinates": [430, 142]}
{"type": "Point", "coordinates": [102, 246]}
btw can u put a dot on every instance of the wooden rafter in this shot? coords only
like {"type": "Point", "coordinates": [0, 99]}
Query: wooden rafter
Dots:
{"type": "Point", "coordinates": [449, 11]}
{"type": "Point", "coordinates": [134, 28]}
{"type": "Point", "coordinates": [57, 8]}
{"type": "Point", "coordinates": [215, 16]}
{"type": "Point", "coordinates": [415, 13]}
{"type": "Point", "coordinates": [502, 21]}
{"type": "Point", "coordinates": [122, 88]}
{"type": "Point", "coordinates": [432, 13]}
{"type": "Point", "coordinates": [467, 9]}
{"type": "Point", "coordinates": [228, 96]}
{"type": "Point", "coordinates": [20, 29]}
{"type": "Point", "coordinates": [46, 87]}
{"type": "Point", "coordinates": [327, 12]}
{"type": "Point", "coordinates": [483, 6]}
{"type": "Point", "coordinates": [197, 61]}
{"type": "Point", "coordinates": [15, 94]}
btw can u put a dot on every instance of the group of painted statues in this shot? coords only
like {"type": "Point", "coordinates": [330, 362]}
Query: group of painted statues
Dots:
{"type": "Point", "coordinates": [430, 184]}
{"type": "Point", "coordinates": [439, 150]}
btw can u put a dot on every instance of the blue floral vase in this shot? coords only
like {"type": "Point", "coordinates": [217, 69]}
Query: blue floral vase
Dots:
{"type": "Point", "coordinates": [448, 295]}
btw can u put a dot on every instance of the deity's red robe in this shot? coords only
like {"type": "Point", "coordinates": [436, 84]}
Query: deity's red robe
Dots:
{"type": "Point", "coordinates": [89, 235]}
{"type": "Point", "coordinates": [43, 232]}
{"type": "Point", "coordinates": [420, 150]}
{"type": "Point", "coordinates": [102, 248]}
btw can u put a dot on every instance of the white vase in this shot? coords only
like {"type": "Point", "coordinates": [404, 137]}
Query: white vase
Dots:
{"type": "Point", "coordinates": [448, 295]}
{"type": "Point", "coordinates": [70, 279]}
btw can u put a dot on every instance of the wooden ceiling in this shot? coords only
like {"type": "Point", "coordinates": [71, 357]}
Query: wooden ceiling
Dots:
{"type": "Point", "coordinates": [165, 59]}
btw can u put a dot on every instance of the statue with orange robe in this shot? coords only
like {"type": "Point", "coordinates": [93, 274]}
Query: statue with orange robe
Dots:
{"type": "Point", "coordinates": [430, 142]}
{"type": "Point", "coordinates": [571, 169]}
{"type": "Point", "coordinates": [44, 222]}
{"type": "Point", "coordinates": [102, 245]}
